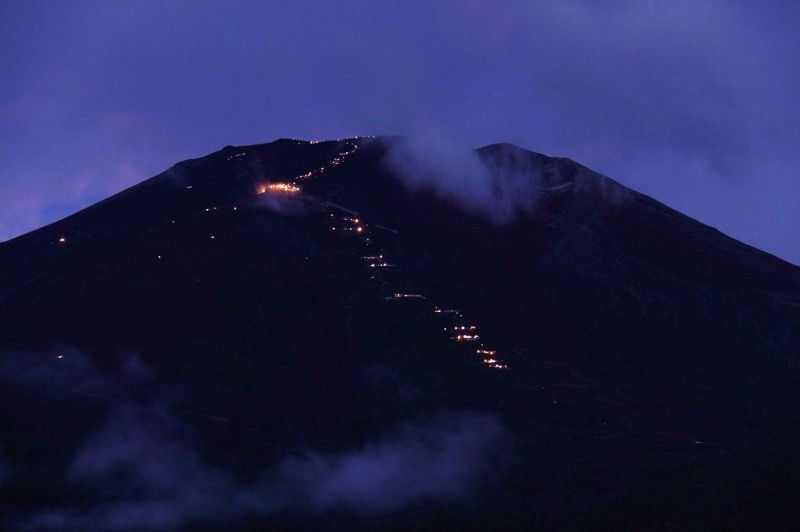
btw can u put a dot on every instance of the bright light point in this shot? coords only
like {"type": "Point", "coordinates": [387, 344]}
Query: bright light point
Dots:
{"type": "Point", "coordinates": [60, 356]}
{"type": "Point", "coordinates": [62, 239]}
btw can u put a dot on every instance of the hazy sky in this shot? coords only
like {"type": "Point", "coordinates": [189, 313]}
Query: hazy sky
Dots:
{"type": "Point", "coordinates": [696, 103]}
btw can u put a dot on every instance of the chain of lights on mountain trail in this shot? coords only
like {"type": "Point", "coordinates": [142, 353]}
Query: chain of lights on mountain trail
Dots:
{"type": "Point", "coordinates": [345, 221]}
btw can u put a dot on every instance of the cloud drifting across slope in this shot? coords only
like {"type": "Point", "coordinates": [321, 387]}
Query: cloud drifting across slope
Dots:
{"type": "Point", "coordinates": [439, 459]}
{"type": "Point", "coordinates": [498, 191]}
{"type": "Point", "coordinates": [499, 182]}
{"type": "Point", "coordinates": [144, 468]}
{"type": "Point", "coordinates": [144, 472]}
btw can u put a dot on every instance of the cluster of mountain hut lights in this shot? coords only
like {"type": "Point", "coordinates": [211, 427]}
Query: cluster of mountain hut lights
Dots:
{"type": "Point", "coordinates": [288, 188]}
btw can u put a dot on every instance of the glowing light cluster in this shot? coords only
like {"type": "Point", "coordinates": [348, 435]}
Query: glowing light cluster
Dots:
{"type": "Point", "coordinates": [488, 358]}
{"type": "Point", "coordinates": [288, 188]}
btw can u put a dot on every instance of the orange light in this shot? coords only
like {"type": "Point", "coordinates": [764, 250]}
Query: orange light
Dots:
{"type": "Point", "coordinates": [282, 187]}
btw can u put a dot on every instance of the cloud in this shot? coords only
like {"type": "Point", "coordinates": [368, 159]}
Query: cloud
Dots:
{"type": "Point", "coordinates": [145, 472]}
{"type": "Point", "coordinates": [145, 468]}
{"type": "Point", "coordinates": [442, 459]}
{"type": "Point", "coordinates": [70, 371]}
{"type": "Point", "coordinates": [498, 188]}
{"type": "Point", "coordinates": [500, 182]}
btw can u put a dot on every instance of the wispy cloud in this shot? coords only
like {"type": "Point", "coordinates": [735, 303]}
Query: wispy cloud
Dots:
{"type": "Point", "coordinates": [73, 372]}
{"type": "Point", "coordinates": [145, 467]}
{"type": "Point", "coordinates": [439, 459]}
{"type": "Point", "coordinates": [497, 188]}
{"type": "Point", "coordinates": [145, 472]}
{"type": "Point", "coordinates": [499, 183]}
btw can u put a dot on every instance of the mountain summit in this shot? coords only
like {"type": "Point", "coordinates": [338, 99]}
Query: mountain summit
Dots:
{"type": "Point", "coordinates": [378, 332]}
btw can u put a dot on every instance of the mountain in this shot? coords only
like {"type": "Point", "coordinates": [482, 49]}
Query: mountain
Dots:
{"type": "Point", "coordinates": [373, 333]}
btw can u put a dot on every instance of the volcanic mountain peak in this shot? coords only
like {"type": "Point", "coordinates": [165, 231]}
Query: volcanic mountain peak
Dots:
{"type": "Point", "coordinates": [327, 307]}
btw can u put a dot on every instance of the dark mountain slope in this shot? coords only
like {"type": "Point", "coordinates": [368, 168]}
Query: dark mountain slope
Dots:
{"type": "Point", "coordinates": [634, 366]}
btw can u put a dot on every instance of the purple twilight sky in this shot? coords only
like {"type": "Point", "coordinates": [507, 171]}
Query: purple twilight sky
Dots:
{"type": "Point", "coordinates": [696, 103]}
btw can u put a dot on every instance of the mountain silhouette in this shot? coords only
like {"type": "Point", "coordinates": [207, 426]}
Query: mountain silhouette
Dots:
{"type": "Point", "coordinates": [375, 333]}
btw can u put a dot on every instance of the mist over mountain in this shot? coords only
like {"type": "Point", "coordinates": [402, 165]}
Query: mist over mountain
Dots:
{"type": "Point", "coordinates": [391, 332]}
